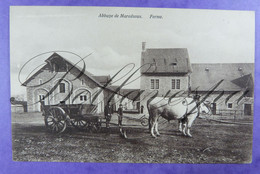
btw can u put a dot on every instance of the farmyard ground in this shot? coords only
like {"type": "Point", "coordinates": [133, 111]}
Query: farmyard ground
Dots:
{"type": "Point", "coordinates": [212, 142]}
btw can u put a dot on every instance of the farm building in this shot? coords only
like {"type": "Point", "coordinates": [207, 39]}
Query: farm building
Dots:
{"type": "Point", "coordinates": [238, 81]}
{"type": "Point", "coordinates": [50, 85]}
{"type": "Point", "coordinates": [129, 98]}
{"type": "Point", "coordinates": [164, 70]}
{"type": "Point", "coordinates": [169, 71]}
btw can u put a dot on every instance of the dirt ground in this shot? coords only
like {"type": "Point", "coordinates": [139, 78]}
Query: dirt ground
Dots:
{"type": "Point", "coordinates": [212, 142]}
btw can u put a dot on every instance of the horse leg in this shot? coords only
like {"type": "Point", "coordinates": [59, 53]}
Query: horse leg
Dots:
{"type": "Point", "coordinates": [156, 127]}
{"type": "Point", "coordinates": [153, 124]}
{"type": "Point", "coordinates": [152, 128]}
{"type": "Point", "coordinates": [180, 125]}
{"type": "Point", "coordinates": [191, 119]}
{"type": "Point", "coordinates": [184, 127]}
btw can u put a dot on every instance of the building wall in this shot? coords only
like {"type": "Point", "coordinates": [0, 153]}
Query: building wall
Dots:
{"type": "Point", "coordinates": [88, 87]}
{"type": "Point", "coordinates": [222, 106]}
{"type": "Point", "coordinates": [17, 108]}
{"type": "Point", "coordinates": [165, 84]}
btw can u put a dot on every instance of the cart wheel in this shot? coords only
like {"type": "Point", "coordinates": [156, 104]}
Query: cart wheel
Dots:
{"type": "Point", "coordinates": [144, 121]}
{"type": "Point", "coordinates": [55, 120]}
{"type": "Point", "coordinates": [79, 123]}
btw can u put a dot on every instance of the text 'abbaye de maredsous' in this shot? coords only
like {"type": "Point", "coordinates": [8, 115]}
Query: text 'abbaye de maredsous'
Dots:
{"type": "Point", "coordinates": [104, 15]}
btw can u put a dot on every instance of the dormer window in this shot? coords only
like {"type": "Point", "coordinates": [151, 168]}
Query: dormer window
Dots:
{"type": "Point", "coordinates": [206, 69]}
{"type": "Point", "coordinates": [240, 69]}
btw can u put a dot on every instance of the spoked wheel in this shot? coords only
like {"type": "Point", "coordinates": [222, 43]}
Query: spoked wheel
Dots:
{"type": "Point", "coordinates": [55, 120]}
{"type": "Point", "coordinates": [79, 123]}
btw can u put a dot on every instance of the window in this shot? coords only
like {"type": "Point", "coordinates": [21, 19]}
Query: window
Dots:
{"type": "Point", "coordinates": [229, 105]}
{"type": "Point", "coordinates": [152, 83]}
{"type": "Point", "coordinates": [62, 87]}
{"type": "Point", "coordinates": [41, 97]}
{"type": "Point", "coordinates": [83, 98]}
{"type": "Point", "coordinates": [173, 83]}
{"type": "Point", "coordinates": [82, 82]}
{"type": "Point", "coordinates": [155, 84]}
{"type": "Point", "coordinates": [178, 86]}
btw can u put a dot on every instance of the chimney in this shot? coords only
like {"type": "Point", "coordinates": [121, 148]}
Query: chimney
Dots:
{"type": "Point", "coordinates": [143, 46]}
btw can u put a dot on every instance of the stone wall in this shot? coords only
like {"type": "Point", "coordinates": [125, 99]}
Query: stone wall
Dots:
{"type": "Point", "coordinates": [77, 85]}
{"type": "Point", "coordinates": [165, 84]}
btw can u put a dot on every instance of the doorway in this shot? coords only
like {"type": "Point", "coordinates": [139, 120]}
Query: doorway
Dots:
{"type": "Point", "coordinates": [247, 109]}
{"type": "Point", "coordinates": [214, 108]}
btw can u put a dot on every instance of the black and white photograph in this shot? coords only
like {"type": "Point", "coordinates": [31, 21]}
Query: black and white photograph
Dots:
{"type": "Point", "coordinates": [131, 85]}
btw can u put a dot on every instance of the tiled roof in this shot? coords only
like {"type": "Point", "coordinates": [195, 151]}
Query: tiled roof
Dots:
{"type": "Point", "coordinates": [205, 76]}
{"type": "Point", "coordinates": [102, 79]}
{"type": "Point", "coordinates": [132, 94]}
{"type": "Point", "coordinates": [166, 60]}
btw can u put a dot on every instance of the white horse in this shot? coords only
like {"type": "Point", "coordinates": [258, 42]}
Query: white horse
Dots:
{"type": "Point", "coordinates": [185, 110]}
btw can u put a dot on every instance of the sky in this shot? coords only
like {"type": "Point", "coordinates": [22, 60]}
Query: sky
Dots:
{"type": "Point", "coordinates": [211, 36]}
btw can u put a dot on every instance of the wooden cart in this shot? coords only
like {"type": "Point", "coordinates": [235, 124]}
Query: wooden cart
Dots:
{"type": "Point", "coordinates": [81, 116]}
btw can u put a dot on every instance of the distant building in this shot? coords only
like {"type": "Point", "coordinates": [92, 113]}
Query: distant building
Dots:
{"type": "Point", "coordinates": [169, 71]}
{"type": "Point", "coordinates": [18, 106]}
{"type": "Point", "coordinates": [129, 98]}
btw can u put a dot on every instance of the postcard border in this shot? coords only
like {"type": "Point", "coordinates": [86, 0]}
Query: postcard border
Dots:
{"type": "Point", "coordinates": [9, 166]}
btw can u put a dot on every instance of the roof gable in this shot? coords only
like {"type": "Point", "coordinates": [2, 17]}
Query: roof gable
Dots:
{"type": "Point", "coordinates": [244, 81]}
{"type": "Point", "coordinates": [63, 65]}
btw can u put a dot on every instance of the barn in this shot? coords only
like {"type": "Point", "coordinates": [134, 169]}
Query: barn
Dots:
{"type": "Point", "coordinates": [169, 71]}
{"type": "Point", "coordinates": [60, 82]}
{"type": "Point", "coordinates": [234, 96]}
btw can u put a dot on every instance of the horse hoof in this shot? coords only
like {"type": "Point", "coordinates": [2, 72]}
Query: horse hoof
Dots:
{"type": "Point", "coordinates": [189, 135]}
{"type": "Point", "coordinates": [153, 136]}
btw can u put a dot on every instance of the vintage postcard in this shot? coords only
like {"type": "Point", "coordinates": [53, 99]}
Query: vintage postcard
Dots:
{"type": "Point", "coordinates": [132, 85]}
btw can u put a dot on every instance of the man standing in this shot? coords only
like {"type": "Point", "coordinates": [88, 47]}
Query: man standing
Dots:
{"type": "Point", "coordinates": [120, 119]}
{"type": "Point", "coordinates": [108, 114]}
{"type": "Point", "coordinates": [120, 115]}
